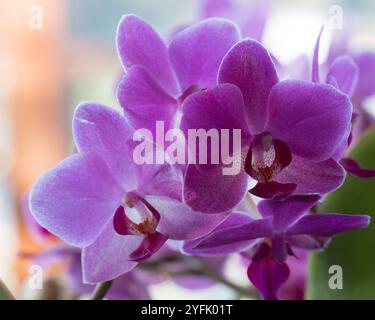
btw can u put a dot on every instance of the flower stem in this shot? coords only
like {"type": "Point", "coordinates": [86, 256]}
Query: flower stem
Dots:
{"type": "Point", "coordinates": [199, 269]}
{"type": "Point", "coordinates": [241, 291]}
{"type": "Point", "coordinates": [5, 293]}
{"type": "Point", "coordinates": [101, 290]}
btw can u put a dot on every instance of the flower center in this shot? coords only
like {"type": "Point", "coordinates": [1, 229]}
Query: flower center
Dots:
{"type": "Point", "coordinates": [192, 89]}
{"type": "Point", "coordinates": [148, 216]}
{"type": "Point", "coordinates": [266, 157]}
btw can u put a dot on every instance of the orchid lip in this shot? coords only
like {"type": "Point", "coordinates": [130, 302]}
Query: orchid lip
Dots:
{"type": "Point", "coordinates": [266, 157]}
{"type": "Point", "coordinates": [146, 228]}
{"type": "Point", "coordinates": [149, 218]}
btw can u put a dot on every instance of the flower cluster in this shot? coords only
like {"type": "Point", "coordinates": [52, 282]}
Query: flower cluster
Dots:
{"type": "Point", "coordinates": [118, 214]}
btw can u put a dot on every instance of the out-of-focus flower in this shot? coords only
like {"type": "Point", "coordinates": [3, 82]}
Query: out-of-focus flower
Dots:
{"type": "Point", "coordinates": [158, 78]}
{"type": "Point", "coordinates": [126, 287]}
{"type": "Point", "coordinates": [251, 17]}
{"type": "Point", "coordinates": [284, 225]}
{"type": "Point", "coordinates": [365, 62]}
{"type": "Point", "coordinates": [291, 131]}
{"type": "Point", "coordinates": [349, 71]}
{"type": "Point", "coordinates": [119, 212]}
{"type": "Point", "coordinates": [343, 73]}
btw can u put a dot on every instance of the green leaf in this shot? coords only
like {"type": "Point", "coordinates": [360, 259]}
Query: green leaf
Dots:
{"type": "Point", "coordinates": [353, 251]}
{"type": "Point", "coordinates": [5, 294]}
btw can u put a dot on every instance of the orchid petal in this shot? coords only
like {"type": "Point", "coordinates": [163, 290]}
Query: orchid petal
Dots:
{"type": "Point", "coordinates": [268, 275]}
{"type": "Point", "coordinates": [312, 177]}
{"type": "Point", "coordinates": [312, 119]}
{"type": "Point", "coordinates": [249, 66]}
{"type": "Point", "coordinates": [208, 190]}
{"type": "Point", "coordinates": [366, 64]}
{"type": "Point", "coordinates": [139, 44]}
{"type": "Point", "coordinates": [102, 130]}
{"type": "Point", "coordinates": [109, 256]}
{"type": "Point", "coordinates": [354, 168]}
{"type": "Point", "coordinates": [343, 74]}
{"type": "Point", "coordinates": [150, 245]}
{"type": "Point", "coordinates": [272, 189]}
{"type": "Point", "coordinates": [288, 211]}
{"type": "Point", "coordinates": [76, 199]}
{"type": "Point", "coordinates": [179, 222]}
{"type": "Point", "coordinates": [261, 228]}
{"type": "Point", "coordinates": [235, 219]}
{"type": "Point", "coordinates": [328, 224]}
{"type": "Point", "coordinates": [144, 101]}
{"type": "Point", "coordinates": [197, 51]}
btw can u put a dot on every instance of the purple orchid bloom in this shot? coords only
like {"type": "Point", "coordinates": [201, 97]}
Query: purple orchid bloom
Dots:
{"type": "Point", "coordinates": [344, 73]}
{"type": "Point", "coordinates": [251, 18]}
{"type": "Point", "coordinates": [290, 131]}
{"type": "Point", "coordinates": [277, 280]}
{"type": "Point", "coordinates": [352, 77]}
{"type": "Point", "coordinates": [159, 77]}
{"type": "Point", "coordinates": [268, 275]}
{"type": "Point", "coordinates": [284, 225]}
{"type": "Point", "coordinates": [365, 62]}
{"type": "Point", "coordinates": [120, 213]}
{"type": "Point", "coordinates": [350, 72]}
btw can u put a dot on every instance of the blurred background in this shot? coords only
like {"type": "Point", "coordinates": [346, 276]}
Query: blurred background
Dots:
{"type": "Point", "coordinates": [48, 66]}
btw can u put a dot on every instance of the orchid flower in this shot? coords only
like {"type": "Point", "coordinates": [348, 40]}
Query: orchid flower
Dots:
{"type": "Point", "coordinates": [344, 74]}
{"type": "Point", "coordinates": [347, 70]}
{"type": "Point", "coordinates": [99, 200]}
{"type": "Point", "coordinates": [285, 225]}
{"type": "Point", "coordinates": [159, 77]}
{"type": "Point", "coordinates": [251, 18]}
{"type": "Point", "coordinates": [290, 131]}
{"type": "Point", "coordinates": [126, 286]}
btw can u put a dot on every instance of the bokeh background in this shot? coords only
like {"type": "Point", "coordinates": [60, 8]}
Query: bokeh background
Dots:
{"type": "Point", "coordinates": [45, 73]}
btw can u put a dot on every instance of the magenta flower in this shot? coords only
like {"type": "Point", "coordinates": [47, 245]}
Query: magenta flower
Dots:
{"type": "Point", "coordinates": [100, 200]}
{"type": "Point", "coordinates": [353, 79]}
{"type": "Point", "coordinates": [284, 225]}
{"type": "Point", "coordinates": [251, 18]}
{"type": "Point", "coordinates": [159, 77]}
{"type": "Point", "coordinates": [365, 62]}
{"type": "Point", "coordinates": [268, 275]}
{"type": "Point", "coordinates": [351, 72]}
{"type": "Point", "coordinates": [291, 131]}
{"type": "Point", "coordinates": [344, 74]}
